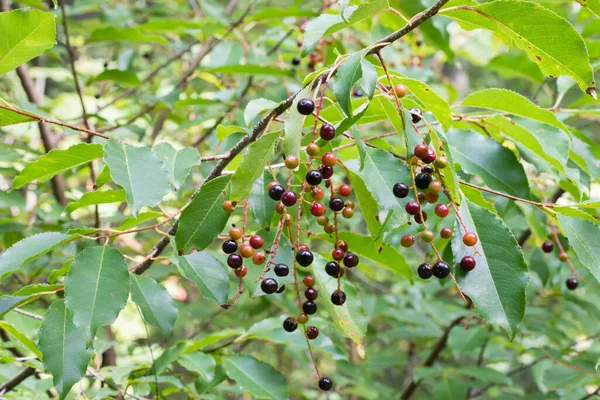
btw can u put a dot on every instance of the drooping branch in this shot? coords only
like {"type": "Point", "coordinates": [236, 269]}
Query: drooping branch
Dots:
{"type": "Point", "coordinates": [16, 380]}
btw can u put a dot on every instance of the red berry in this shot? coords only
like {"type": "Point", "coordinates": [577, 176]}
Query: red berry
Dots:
{"type": "Point", "coordinates": [467, 263]}
{"type": "Point", "coordinates": [241, 271]}
{"type": "Point", "coordinates": [327, 132]}
{"type": "Point", "coordinates": [345, 190]}
{"type": "Point", "coordinates": [328, 159]}
{"type": "Point", "coordinates": [413, 207]}
{"type": "Point", "coordinates": [419, 219]}
{"type": "Point", "coordinates": [470, 239]}
{"type": "Point", "coordinates": [258, 258]}
{"type": "Point", "coordinates": [309, 281]}
{"type": "Point", "coordinates": [547, 246]}
{"type": "Point", "coordinates": [246, 251]}
{"type": "Point", "coordinates": [317, 209]}
{"type": "Point", "coordinates": [317, 193]}
{"type": "Point", "coordinates": [430, 157]}
{"type": "Point", "coordinates": [441, 210]}
{"type": "Point", "coordinates": [256, 241]}
{"type": "Point", "coordinates": [337, 254]}
{"type": "Point", "coordinates": [289, 198]}
{"type": "Point", "coordinates": [421, 150]}
{"type": "Point", "coordinates": [400, 90]}
{"type": "Point", "coordinates": [407, 240]}
{"type": "Point", "coordinates": [341, 244]}
{"type": "Point", "coordinates": [446, 233]}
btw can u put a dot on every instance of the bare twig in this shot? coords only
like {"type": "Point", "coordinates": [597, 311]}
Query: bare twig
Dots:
{"type": "Point", "coordinates": [16, 380]}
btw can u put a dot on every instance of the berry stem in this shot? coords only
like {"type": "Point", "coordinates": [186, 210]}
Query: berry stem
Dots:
{"type": "Point", "coordinates": [398, 103]}
{"type": "Point", "coordinates": [319, 104]}
{"type": "Point", "coordinates": [275, 248]}
{"type": "Point", "coordinates": [245, 219]}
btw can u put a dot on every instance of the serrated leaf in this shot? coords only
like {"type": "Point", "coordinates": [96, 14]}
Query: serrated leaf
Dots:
{"type": "Point", "coordinates": [156, 304]}
{"type": "Point", "coordinates": [251, 167]}
{"type": "Point", "coordinates": [57, 161]}
{"type": "Point", "coordinates": [27, 34]}
{"type": "Point", "coordinates": [139, 172]}
{"type": "Point", "coordinates": [368, 81]}
{"type": "Point", "coordinates": [261, 205]}
{"type": "Point", "coordinates": [96, 288]}
{"type": "Point", "coordinates": [513, 103]}
{"type": "Point", "coordinates": [29, 249]}
{"type": "Point", "coordinates": [8, 117]}
{"type": "Point", "coordinates": [495, 164]}
{"type": "Point", "coordinates": [516, 66]}
{"type": "Point", "coordinates": [63, 346]}
{"type": "Point", "coordinates": [26, 295]}
{"type": "Point", "coordinates": [497, 284]}
{"type": "Point", "coordinates": [97, 197]}
{"type": "Point", "coordinates": [21, 337]}
{"type": "Point", "coordinates": [179, 163]}
{"type": "Point", "coordinates": [584, 237]}
{"type": "Point", "coordinates": [207, 273]}
{"type": "Point", "coordinates": [368, 204]}
{"type": "Point", "coordinates": [430, 99]}
{"type": "Point", "coordinates": [203, 220]}
{"type": "Point", "coordinates": [347, 75]}
{"type": "Point", "coordinates": [548, 39]}
{"type": "Point", "coordinates": [292, 125]}
{"type": "Point", "coordinates": [261, 379]}
{"type": "Point", "coordinates": [255, 107]}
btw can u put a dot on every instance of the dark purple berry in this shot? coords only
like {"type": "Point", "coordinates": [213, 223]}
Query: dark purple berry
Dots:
{"type": "Point", "coordinates": [296, 61]}
{"type": "Point", "coordinates": [572, 283]}
{"type": "Point", "coordinates": [269, 285]}
{"type": "Point", "coordinates": [311, 293]}
{"type": "Point", "coordinates": [290, 324]}
{"type": "Point", "coordinates": [229, 246]}
{"type": "Point", "coordinates": [312, 332]}
{"type": "Point", "coordinates": [441, 269]}
{"type": "Point", "coordinates": [428, 169]}
{"type": "Point", "coordinates": [326, 172]}
{"type": "Point", "coordinates": [276, 192]}
{"type": "Point", "coordinates": [327, 132]}
{"type": "Point", "coordinates": [425, 271]}
{"type": "Point", "coordinates": [281, 289]}
{"type": "Point", "coordinates": [416, 115]}
{"type": "Point", "coordinates": [338, 298]}
{"type": "Point", "coordinates": [281, 270]}
{"type": "Point", "coordinates": [309, 307]}
{"type": "Point", "coordinates": [351, 260]}
{"type": "Point", "coordinates": [400, 190]}
{"type": "Point", "coordinates": [234, 261]}
{"type": "Point", "coordinates": [430, 157]}
{"type": "Point", "coordinates": [547, 246]}
{"type": "Point", "coordinates": [305, 106]}
{"type": "Point", "coordinates": [332, 269]}
{"type": "Point", "coordinates": [467, 263]}
{"type": "Point", "coordinates": [289, 198]}
{"type": "Point", "coordinates": [336, 204]}
{"type": "Point", "coordinates": [413, 207]}
{"type": "Point", "coordinates": [418, 218]}
{"type": "Point", "coordinates": [304, 257]}
{"type": "Point", "coordinates": [325, 383]}
{"type": "Point", "coordinates": [314, 177]}
{"type": "Point", "coordinates": [422, 180]}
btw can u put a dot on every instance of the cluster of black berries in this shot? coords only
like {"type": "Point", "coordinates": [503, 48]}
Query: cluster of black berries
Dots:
{"type": "Point", "coordinates": [235, 259]}
{"type": "Point", "coordinates": [548, 247]}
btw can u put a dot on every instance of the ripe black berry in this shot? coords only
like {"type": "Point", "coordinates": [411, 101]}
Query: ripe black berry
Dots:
{"type": "Point", "coordinates": [441, 269]}
{"type": "Point", "coordinates": [327, 132]}
{"type": "Point", "coordinates": [311, 293]}
{"type": "Point", "coordinates": [336, 204]}
{"type": "Point", "coordinates": [304, 257]}
{"type": "Point", "coordinates": [422, 180]}
{"type": "Point", "coordinates": [309, 307]}
{"type": "Point", "coordinates": [290, 324]}
{"type": "Point", "coordinates": [234, 261]}
{"type": "Point", "coordinates": [351, 260]}
{"type": "Point", "coordinates": [306, 106]}
{"type": "Point", "coordinates": [338, 298]}
{"type": "Point", "coordinates": [400, 190]}
{"type": "Point", "coordinates": [326, 172]}
{"type": "Point", "coordinates": [312, 332]}
{"type": "Point", "coordinates": [425, 271]}
{"type": "Point", "coordinates": [269, 285]}
{"type": "Point", "coordinates": [229, 246]}
{"type": "Point", "coordinates": [418, 218]}
{"type": "Point", "coordinates": [467, 263]}
{"type": "Point", "coordinates": [332, 268]}
{"type": "Point", "coordinates": [572, 283]}
{"type": "Point", "coordinates": [314, 177]}
{"type": "Point", "coordinates": [281, 270]}
{"type": "Point", "coordinates": [325, 383]}
{"type": "Point", "coordinates": [547, 246]}
{"type": "Point", "coordinates": [428, 169]}
{"type": "Point", "coordinates": [296, 61]}
{"type": "Point", "coordinates": [281, 289]}
{"type": "Point", "coordinates": [276, 192]}
{"type": "Point", "coordinates": [416, 114]}
{"type": "Point", "coordinates": [430, 157]}
{"type": "Point", "coordinates": [289, 198]}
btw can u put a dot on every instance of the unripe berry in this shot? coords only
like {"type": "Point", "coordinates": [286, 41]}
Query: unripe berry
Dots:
{"type": "Point", "coordinates": [246, 251]}
{"type": "Point", "coordinates": [256, 241]}
{"type": "Point", "coordinates": [323, 220]}
{"type": "Point", "coordinates": [446, 233]}
{"type": "Point", "coordinates": [228, 206]}
{"type": "Point", "coordinates": [421, 150]}
{"type": "Point", "coordinates": [432, 197]}
{"type": "Point", "coordinates": [441, 162]}
{"type": "Point", "coordinates": [291, 162]}
{"type": "Point", "coordinates": [407, 240]}
{"type": "Point", "coordinates": [313, 149]}
{"type": "Point", "coordinates": [328, 159]}
{"type": "Point", "coordinates": [317, 193]}
{"type": "Point", "coordinates": [345, 190]}
{"type": "Point", "coordinates": [329, 228]}
{"type": "Point", "coordinates": [302, 319]}
{"type": "Point", "coordinates": [400, 90]}
{"type": "Point", "coordinates": [435, 186]}
{"type": "Point", "coordinates": [562, 256]}
{"type": "Point", "coordinates": [470, 239]}
{"type": "Point", "coordinates": [241, 271]}
{"type": "Point", "coordinates": [347, 212]}
{"type": "Point", "coordinates": [258, 258]}
{"type": "Point", "coordinates": [235, 233]}
{"type": "Point", "coordinates": [427, 236]}
{"type": "Point", "coordinates": [309, 281]}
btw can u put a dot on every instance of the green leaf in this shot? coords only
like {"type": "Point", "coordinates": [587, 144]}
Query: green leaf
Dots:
{"type": "Point", "coordinates": [347, 75]}
{"type": "Point", "coordinates": [207, 273]}
{"type": "Point", "coordinates": [179, 163]}
{"type": "Point", "coordinates": [104, 177]}
{"type": "Point", "coordinates": [26, 295]}
{"type": "Point", "coordinates": [29, 249]}
{"type": "Point", "coordinates": [368, 204]}
{"type": "Point", "coordinates": [592, 5]}
{"type": "Point", "coordinates": [513, 103]}
{"type": "Point", "coordinates": [158, 308]}
{"type": "Point", "coordinates": [57, 161]}
{"type": "Point", "coordinates": [95, 198]}
{"type": "Point", "coordinates": [431, 100]}
{"type": "Point", "coordinates": [21, 337]}
{"type": "Point", "coordinates": [225, 130]}
{"type": "Point", "coordinates": [261, 205]}
{"type": "Point", "coordinates": [548, 39]}
{"type": "Point", "coordinates": [255, 107]}
{"type": "Point", "coordinates": [516, 66]}
{"type": "Point", "coordinates": [203, 220]}
{"type": "Point", "coordinates": [439, 140]}
{"type": "Point", "coordinates": [252, 166]}
{"type": "Point", "coordinates": [350, 319]}
{"type": "Point", "coordinates": [250, 69]}
{"type": "Point", "coordinates": [8, 117]}
{"type": "Point", "coordinates": [26, 35]}
{"type": "Point", "coordinates": [583, 237]}
{"type": "Point", "coordinates": [139, 172]}
{"type": "Point", "coordinates": [497, 284]}
{"type": "Point", "coordinates": [368, 81]}
{"type": "Point", "coordinates": [495, 164]}
{"type": "Point", "coordinates": [97, 288]}
{"type": "Point", "coordinates": [127, 34]}
{"type": "Point", "coordinates": [124, 78]}
{"type": "Point", "coordinates": [63, 345]}
{"type": "Point", "coordinates": [292, 125]}
{"type": "Point", "coordinates": [259, 378]}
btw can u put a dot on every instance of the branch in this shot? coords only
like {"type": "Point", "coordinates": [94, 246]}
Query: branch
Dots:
{"type": "Point", "coordinates": [527, 232]}
{"type": "Point", "coordinates": [16, 380]}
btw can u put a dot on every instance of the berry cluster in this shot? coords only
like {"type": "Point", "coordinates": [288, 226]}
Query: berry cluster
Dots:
{"type": "Point", "coordinates": [236, 242]}
{"type": "Point", "coordinates": [548, 247]}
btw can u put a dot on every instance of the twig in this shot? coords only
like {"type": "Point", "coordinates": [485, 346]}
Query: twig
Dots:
{"type": "Point", "coordinates": [16, 380]}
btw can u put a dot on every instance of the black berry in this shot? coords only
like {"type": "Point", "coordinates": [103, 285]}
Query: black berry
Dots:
{"type": "Point", "coordinates": [312, 332]}
{"type": "Point", "coordinates": [416, 114]}
{"type": "Point", "coordinates": [296, 61]}
{"type": "Point", "coordinates": [422, 180]}
{"type": "Point", "coordinates": [572, 283]}
{"type": "Point", "coordinates": [229, 246]}
{"type": "Point", "coordinates": [325, 383]}
{"type": "Point", "coordinates": [289, 198]}
{"type": "Point", "coordinates": [547, 246]}
{"type": "Point", "coordinates": [332, 268]}
{"type": "Point", "coordinates": [336, 204]}
{"type": "Point", "coordinates": [428, 169]}
{"type": "Point", "coordinates": [290, 324]}
{"type": "Point", "coordinates": [281, 270]}
{"type": "Point", "coordinates": [351, 260]}
{"type": "Point", "coordinates": [269, 285]}
{"type": "Point", "coordinates": [467, 263]}
{"type": "Point", "coordinates": [338, 298]}
{"type": "Point", "coordinates": [311, 293]}
{"type": "Point", "coordinates": [304, 257]}
{"type": "Point", "coordinates": [326, 172]}
{"type": "Point", "coordinates": [314, 177]}
{"type": "Point", "coordinates": [309, 307]}
{"type": "Point", "coordinates": [281, 289]}
{"type": "Point", "coordinates": [306, 106]}
{"type": "Point", "coordinates": [276, 192]}
{"type": "Point", "coordinates": [425, 271]}
{"type": "Point", "coordinates": [400, 190]}
{"type": "Point", "coordinates": [327, 132]}
{"type": "Point", "coordinates": [234, 261]}
{"type": "Point", "coordinates": [413, 207]}
{"type": "Point", "coordinates": [441, 269]}
{"type": "Point", "coordinates": [430, 157]}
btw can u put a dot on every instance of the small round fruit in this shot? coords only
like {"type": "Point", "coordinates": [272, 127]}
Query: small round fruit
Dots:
{"type": "Point", "coordinates": [304, 257]}
{"type": "Point", "coordinates": [441, 210]}
{"type": "Point", "coordinates": [317, 209]}
{"type": "Point", "coordinates": [430, 157]}
{"type": "Point", "coordinates": [421, 198]}
{"type": "Point", "coordinates": [421, 150]}
{"type": "Point", "coordinates": [407, 240]}
{"type": "Point", "coordinates": [256, 241]}
{"type": "Point", "coordinates": [431, 197]}
{"type": "Point", "coordinates": [291, 162]}
{"type": "Point", "coordinates": [241, 271]}
{"type": "Point", "coordinates": [416, 114]}
{"type": "Point", "coordinates": [229, 246]}
{"type": "Point", "coordinates": [281, 270]}
{"type": "Point", "coordinates": [326, 172]}
{"type": "Point", "coordinates": [296, 61]}
{"type": "Point", "coordinates": [446, 233]}
{"type": "Point", "coordinates": [425, 271]}
{"type": "Point", "coordinates": [547, 246]}
{"type": "Point", "coordinates": [428, 169]}
{"type": "Point", "coordinates": [309, 281]}
{"type": "Point", "coordinates": [306, 106]}
{"type": "Point", "coordinates": [400, 190]}
{"type": "Point", "coordinates": [329, 228]}
{"type": "Point", "coordinates": [279, 208]}
{"type": "Point", "coordinates": [427, 236]}
{"type": "Point", "coordinates": [351, 260]}
{"type": "Point", "coordinates": [420, 217]}
{"type": "Point", "coordinates": [269, 285]}
{"type": "Point", "coordinates": [342, 245]}
{"type": "Point", "coordinates": [422, 180]}
{"type": "Point", "coordinates": [350, 203]}
{"type": "Point", "coordinates": [235, 233]}
{"type": "Point", "coordinates": [325, 383]}
{"type": "Point", "coordinates": [400, 90]}
{"type": "Point", "coordinates": [303, 246]}
{"type": "Point", "coordinates": [312, 332]}
{"type": "Point", "coordinates": [309, 307]}
{"type": "Point", "coordinates": [328, 159]}
{"type": "Point", "coordinates": [562, 256]}
{"type": "Point", "coordinates": [289, 198]}
{"type": "Point", "coordinates": [314, 177]}
{"type": "Point", "coordinates": [441, 162]}
{"type": "Point", "coordinates": [313, 149]}
{"type": "Point", "coordinates": [258, 258]}
{"type": "Point", "coordinates": [468, 263]}
{"type": "Point", "coordinates": [228, 206]}
{"type": "Point", "coordinates": [345, 190]}
{"type": "Point", "coordinates": [317, 193]}
{"type": "Point", "coordinates": [276, 191]}
{"type": "Point", "coordinates": [337, 254]}
{"type": "Point", "coordinates": [336, 204]}
{"type": "Point", "coordinates": [338, 298]}
{"type": "Point", "coordinates": [332, 269]}
{"type": "Point", "coordinates": [327, 132]}
{"type": "Point", "coordinates": [323, 220]}
{"type": "Point", "coordinates": [347, 212]}
{"type": "Point", "coordinates": [470, 239]}
{"type": "Point", "coordinates": [288, 220]}
{"type": "Point", "coordinates": [311, 293]}
{"type": "Point", "coordinates": [441, 269]}
{"type": "Point", "coordinates": [572, 283]}
{"type": "Point", "coordinates": [246, 251]}
{"type": "Point", "coordinates": [413, 207]}
{"type": "Point", "coordinates": [234, 261]}
{"type": "Point", "coordinates": [435, 186]}
{"type": "Point", "coordinates": [290, 324]}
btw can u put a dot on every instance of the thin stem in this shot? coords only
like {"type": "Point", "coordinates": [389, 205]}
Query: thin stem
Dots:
{"type": "Point", "coordinates": [508, 196]}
